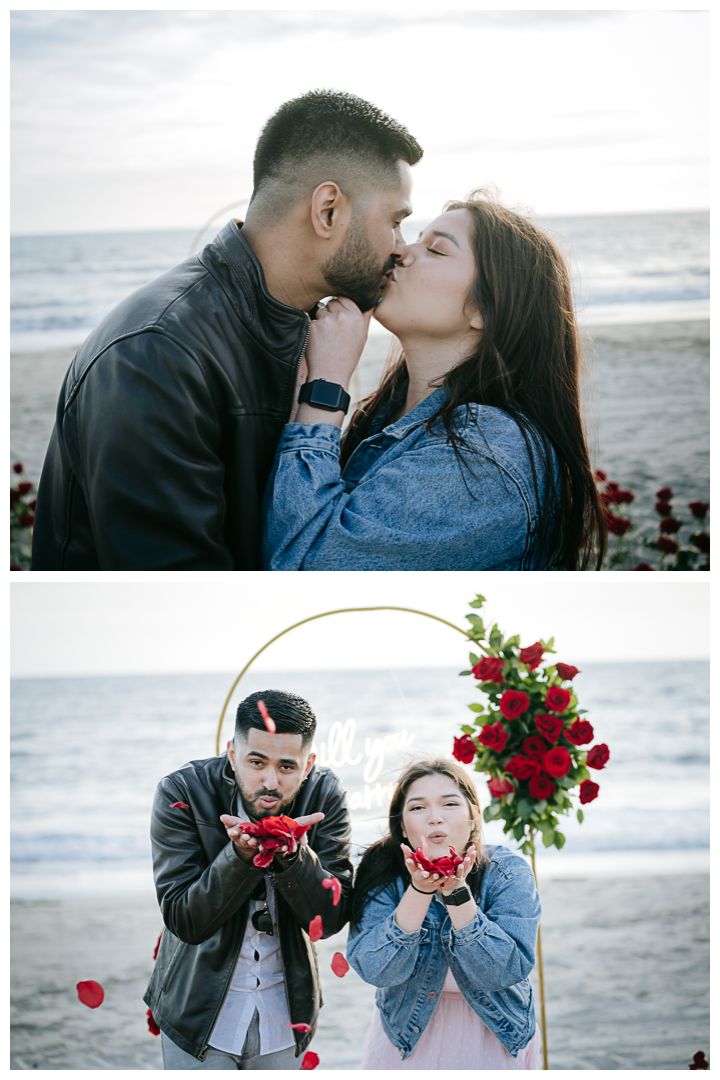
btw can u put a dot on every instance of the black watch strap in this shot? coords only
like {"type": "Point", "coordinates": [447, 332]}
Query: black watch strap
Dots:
{"type": "Point", "coordinates": [460, 896]}
{"type": "Point", "coordinates": [325, 395]}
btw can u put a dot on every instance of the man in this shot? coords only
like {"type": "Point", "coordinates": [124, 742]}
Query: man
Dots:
{"type": "Point", "coordinates": [169, 416]}
{"type": "Point", "coordinates": [235, 965]}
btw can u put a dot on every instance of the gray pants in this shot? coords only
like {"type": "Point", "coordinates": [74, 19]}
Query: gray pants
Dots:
{"type": "Point", "coordinates": [250, 1058]}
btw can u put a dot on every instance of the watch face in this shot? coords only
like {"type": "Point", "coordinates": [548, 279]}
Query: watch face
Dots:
{"type": "Point", "coordinates": [326, 395]}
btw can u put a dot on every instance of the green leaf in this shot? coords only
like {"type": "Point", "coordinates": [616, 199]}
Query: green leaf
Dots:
{"type": "Point", "coordinates": [492, 811]}
{"type": "Point", "coordinates": [466, 672]}
{"type": "Point", "coordinates": [519, 831]}
{"type": "Point", "coordinates": [525, 808]}
{"type": "Point", "coordinates": [476, 707]}
{"type": "Point", "coordinates": [548, 838]}
{"type": "Point", "coordinates": [495, 639]}
{"type": "Point", "coordinates": [468, 729]}
{"type": "Point", "coordinates": [478, 601]}
{"type": "Point", "coordinates": [546, 826]}
{"type": "Point", "coordinates": [558, 840]}
{"type": "Point", "coordinates": [528, 848]}
{"type": "Point", "coordinates": [474, 659]}
{"type": "Point", "coordinates": [540, 806]}
{"type": "Point", "coordinates": [512, 641]}
{"type": "Point", "coordinates": [580, 816]}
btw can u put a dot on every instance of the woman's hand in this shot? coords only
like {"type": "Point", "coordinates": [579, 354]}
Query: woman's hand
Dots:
{"type": "Point", "coordinates": [337, 339]}
{"type": "Point", "coordinates": [451, 884]}
{"type": "Point", "coordinates": [423, 880]}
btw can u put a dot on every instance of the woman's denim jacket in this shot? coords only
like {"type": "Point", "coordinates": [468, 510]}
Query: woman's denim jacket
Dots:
{"type": "Point", "coordinates": [403, 501]}
{"type": "Point", "coordinates": [491, 958]}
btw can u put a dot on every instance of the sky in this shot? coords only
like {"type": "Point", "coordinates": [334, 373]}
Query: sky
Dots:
{"type": "Point", "coordinates": [215, 623]}
{"type": "Point", "coordinates": [127, 120]}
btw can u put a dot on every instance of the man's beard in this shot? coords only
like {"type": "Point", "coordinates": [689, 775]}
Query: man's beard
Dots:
{"type": "Point", "coordinates": [250, 801]}
{"type": "Point", "coordinates": [353, 270]}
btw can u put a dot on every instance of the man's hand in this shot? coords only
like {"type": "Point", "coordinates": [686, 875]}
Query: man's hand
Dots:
{"type": "Point", "coordinates": [247, 846]}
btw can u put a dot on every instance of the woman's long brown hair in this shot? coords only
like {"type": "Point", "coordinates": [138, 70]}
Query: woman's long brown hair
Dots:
{"type": "Point", "coordinates": [527, 363]}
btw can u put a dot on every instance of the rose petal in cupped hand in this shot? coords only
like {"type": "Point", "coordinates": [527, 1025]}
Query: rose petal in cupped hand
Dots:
{"type": "Point", "coordinates": [334, 884]}
{"type": "Point", "coordinates": [90, 993]}
{"type": "Point", "coordinates": [179, 806]}
{"type": "Point", "coordinates": [152, 1024]}
{"type": "Point", "coordinates": [310, 1061]}
{"type": "Point", "coordinates": [339, 965]}
{"type": "Point", "coordinates": [300, 1027]}
{"type": "Point", "coordinates": [315, 929]}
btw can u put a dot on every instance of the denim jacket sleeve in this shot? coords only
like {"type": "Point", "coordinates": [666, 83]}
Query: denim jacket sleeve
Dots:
{"type": "Point", "coordinates": [380, 952]}
{"type": "Point", "coordinates": [412, 510]}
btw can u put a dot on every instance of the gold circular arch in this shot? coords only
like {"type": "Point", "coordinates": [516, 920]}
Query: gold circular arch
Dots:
{"type": "Point", "coordinates": [312, 618]}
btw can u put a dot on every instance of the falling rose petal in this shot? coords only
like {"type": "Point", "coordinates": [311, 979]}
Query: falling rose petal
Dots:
{"type": "Point", "coordinates": [300, 1027]}
{"type": "Point", "coordinates": [267, 718]}
{"type": "Point", "coordinates": [152, 1024]}
{"type": "Point", "coordinates": [179, 806]}
{"type": "Point", "coordinates": [310, 1061]}
{"type": "Point", "coordinates": [90, 993]}
{"type": "Point", "coordinates": [334, 884]}
{"type": "Point", "coordinates": [339, 965]}
{"type": "Point", "coordinates": [157, 947]}
{"type": "Point", "coordinates": [315, 931]}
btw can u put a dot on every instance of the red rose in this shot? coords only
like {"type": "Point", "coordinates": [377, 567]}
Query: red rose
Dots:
{"type": "Point", "coordinates": [606, 497]}
{"type": "Point", "coordinates": [624, 496]}
{"type": "Point", "coordinates": [522, 768]}
{"type": "Point", "coordinates": [663, 508]}
{"type": "Point", "coordinates": [494, 736]}
{"type": "Point", "coordinates": [600, 475]}
{"type": "Point", "coordinates": [598, 756]}
{"type": "Point", "coordinates": [566, 671]}
{"type": "Point", "coordinates": [588, 791]}
{"type": "Point", "coordinates": [534, 747]}
{"type": "Point", "coordinates": [612, 486]}
{"type": "Point", "coordinates": [32, 504]}
{"type": "Point", "coordinates": [532, 655]}
{"type": "Point", "coordinates": [643, 566]}
{"type": "Point", "coordinates": [699, 1061]}
{"type": "Point", "coordinates": [698, 509]}
{"type": "Point", "coordinates": [579, 732]}
{"type": "Point", "coordinates": [464, 749]}
{"type": "Point", "coordinates": [664, 543]}
{"type": "Point", "coordinates": [542, 787]}
{"type": "Point", "coordinates": [670, 525]}
{"type": "Point", "coordinates": [489, 669]}
{"type": "Point", "coordinates": [499, 787]}
{"type": "Point", "coordinates": [702, 543]}
{"type": "Point", "coordinates": [557, 761]}
{"type": "Point", "coordinates": [513, 703]}
{"type": "Point", "coordinates": [24, 487]}
{"type": "Point", "coordinates": [444, 864]}
{"type": "Point", "coordinates": [152, 1024]}
{"type": "Point", "coordinates": [616, 525]}
{"type": "Point", "coordinates": [664, 493]}
{"type": "Point", "coordinates": [557, 699]}
{"type": "Point", "coordinates": [14, 498]}
{"type": "Point", "coordinates": [26, 520]}
{"type": "Point", "coordinates": [549, 726]}
{"type": "Point", "coordinates": [18, 468]}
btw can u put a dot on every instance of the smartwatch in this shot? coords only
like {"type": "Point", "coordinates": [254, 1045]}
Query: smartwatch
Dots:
{"type": "Point", "coordinates": [325, 395]}
{"type": "Point", "coordinates": [460, 896]}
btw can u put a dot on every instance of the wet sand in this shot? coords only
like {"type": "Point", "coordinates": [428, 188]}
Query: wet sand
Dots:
{"type": "Point", "coordinates": [626, 974]}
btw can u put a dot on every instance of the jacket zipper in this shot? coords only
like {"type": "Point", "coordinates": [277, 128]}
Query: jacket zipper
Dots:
{"type": "Point", "coordinates": [297, 370]}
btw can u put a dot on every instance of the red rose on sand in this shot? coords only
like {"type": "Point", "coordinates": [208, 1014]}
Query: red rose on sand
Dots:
{"type": "Point", "coordinates": [26, 520]}
{"type": "Point", "coordinates": [267, 718]}
{"type": "Point", "coordinates": [664, 543]}
{"type": "Point", "coordinates": [310, 1061]}
{"type": "Point", "coordinates": [334, 884]}
{"type": "Point", "coordinates": [90, 993]}
{"type": "Point", "coordinates": [567, 671]}
{"type": "Point", "coordinates": [315, 929]}
{"type": "Point", "coordinates": [152, 1023]}
{"type": "Point", "coordinates": [670, 525]}
{"type": "Point", "coordinates": [588, 791]}
{"type": "Point", "coordinates": [500, 786]}
{"type": "Point", "coordinates": [532, 655]}
{"type": "Point", "coordinates": [616, 525]}
{"type": "Point", "coordinates": [663, 508]}
{"type": "Point", "coordinates": [444, 864]}
{"type": "Point", "coordinates": [155, 951]}
{"type": "Point", "coordinates": [274, 833]}
{"type": "Point", "coordinates": [18, 468]}
{"type": "Point", "coordinates": [557, 699]}
{"type": "Point", "coordinates": [549, 726]}
{"type": "Point", "coordinates": [698, 509]}
{"type": "Point", "coordinates": [339, 965]}
{"type": "Point", "coordinates": [624, 496]}
{"type": "Point", "coordinates": [702, 543]}
{"type": "Point", "coordinates": [598, 756]}
{"type": "Point", "coordinates": [513, 703]}
{"type": "Point", "coordinates": [489, 669]}
{"type": "Point", "coordinates": [522, 768]}
{"type": "Point", "coordinates": [579, 732]}
{"type": "Point", "coordinates": [664, 493]}
{"type": "Point", "coordinates": [643, 566]}
{"type": "Point", "coordinates": [534, 747]}
{"type": "Point", "coordinates": [464, 749]}
{"type": "Point", "coordinates": [557, 761]}
{"type": "Point", "coordinates": [600, 475]}
{"type": "Point", "coordinates": [542, 787]}
{"type": "Point", "coordinates": [494, 736]}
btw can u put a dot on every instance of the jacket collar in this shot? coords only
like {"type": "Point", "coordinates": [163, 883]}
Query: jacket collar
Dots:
{"type": "Point", "coordinates": [422, 412]}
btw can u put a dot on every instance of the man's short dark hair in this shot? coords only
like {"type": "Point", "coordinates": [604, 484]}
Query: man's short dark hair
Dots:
{"type": "Point", "coordinates": [330, 130]}
{"type": "Point", "coordinates": [292, 715]}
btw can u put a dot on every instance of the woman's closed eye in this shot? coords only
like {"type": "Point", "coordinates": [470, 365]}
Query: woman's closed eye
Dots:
{"type": "Point", "coordinates": [435, 251]}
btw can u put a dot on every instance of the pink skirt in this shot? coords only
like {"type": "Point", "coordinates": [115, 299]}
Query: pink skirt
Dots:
{"type": "Point", "coordinates": [455, 1038]}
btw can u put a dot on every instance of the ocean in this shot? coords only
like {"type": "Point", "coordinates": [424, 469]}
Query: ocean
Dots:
{"type": "Point", "coordinates": [626, 268]}
{"type": "Point", "coordinates": [87, 753]}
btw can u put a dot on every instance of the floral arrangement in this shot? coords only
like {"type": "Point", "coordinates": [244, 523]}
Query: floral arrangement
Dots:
{"type": "Point", "coordinates": [23, 499]}
{"type": "Point", "coordinates": [667, 548]}
{"type": "Point", "coordinates": [529, 736]}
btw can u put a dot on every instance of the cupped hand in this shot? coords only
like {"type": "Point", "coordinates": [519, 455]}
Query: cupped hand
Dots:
{"type": "Point", "coordinates": [337, 339]}
{"type": "Point", "coordinates": [450, 884]}
{"type": "Point", "coordinates": [421, 879]}
{"type": "Point", "coordinates": [247, 845]}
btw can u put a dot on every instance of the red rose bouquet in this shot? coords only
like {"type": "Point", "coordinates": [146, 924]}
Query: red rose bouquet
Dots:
{"type": "Point", "coordinates": [528, 737]}
{"type": "Point", "coordinates": [274, 833]}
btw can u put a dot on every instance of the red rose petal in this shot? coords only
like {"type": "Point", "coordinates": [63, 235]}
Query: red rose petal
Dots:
{"type": "Point", "coordinates": [300, 1027]}
{"type": "Point", "coordinates": [152, 1024]}
{"type": "Point", "coordinates": [157, 947]}
{"type": "Point", "coordinates": [267, 718]}
{"type": "Point", "coordinates": [339, 965]}
{"type": "Point", "coordinates": [315, 931]}
{"type": "Point", "coordinates": [179, 806]}
{"type": "Point", "coordinates": [310, 1061]}
{"type": "Point", "coordinates": [90, 993]}
{"type": "Point", "coordinates": [334, 884]}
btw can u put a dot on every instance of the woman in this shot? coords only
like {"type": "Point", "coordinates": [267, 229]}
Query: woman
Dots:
{"type": "Point", "coordinates": [450, 955]}
{"type": "Point", "coordinates": [471, 454]}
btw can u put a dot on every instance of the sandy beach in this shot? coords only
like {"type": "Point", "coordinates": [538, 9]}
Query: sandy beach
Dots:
{"type": "Point", "coordinates": [626, 974]}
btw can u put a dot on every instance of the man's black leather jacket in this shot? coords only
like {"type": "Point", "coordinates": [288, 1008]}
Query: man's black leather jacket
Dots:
{"type": "Point", "coordinates": [203, 888]}
{"type": "Point", "coordinates": [167, 422]}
